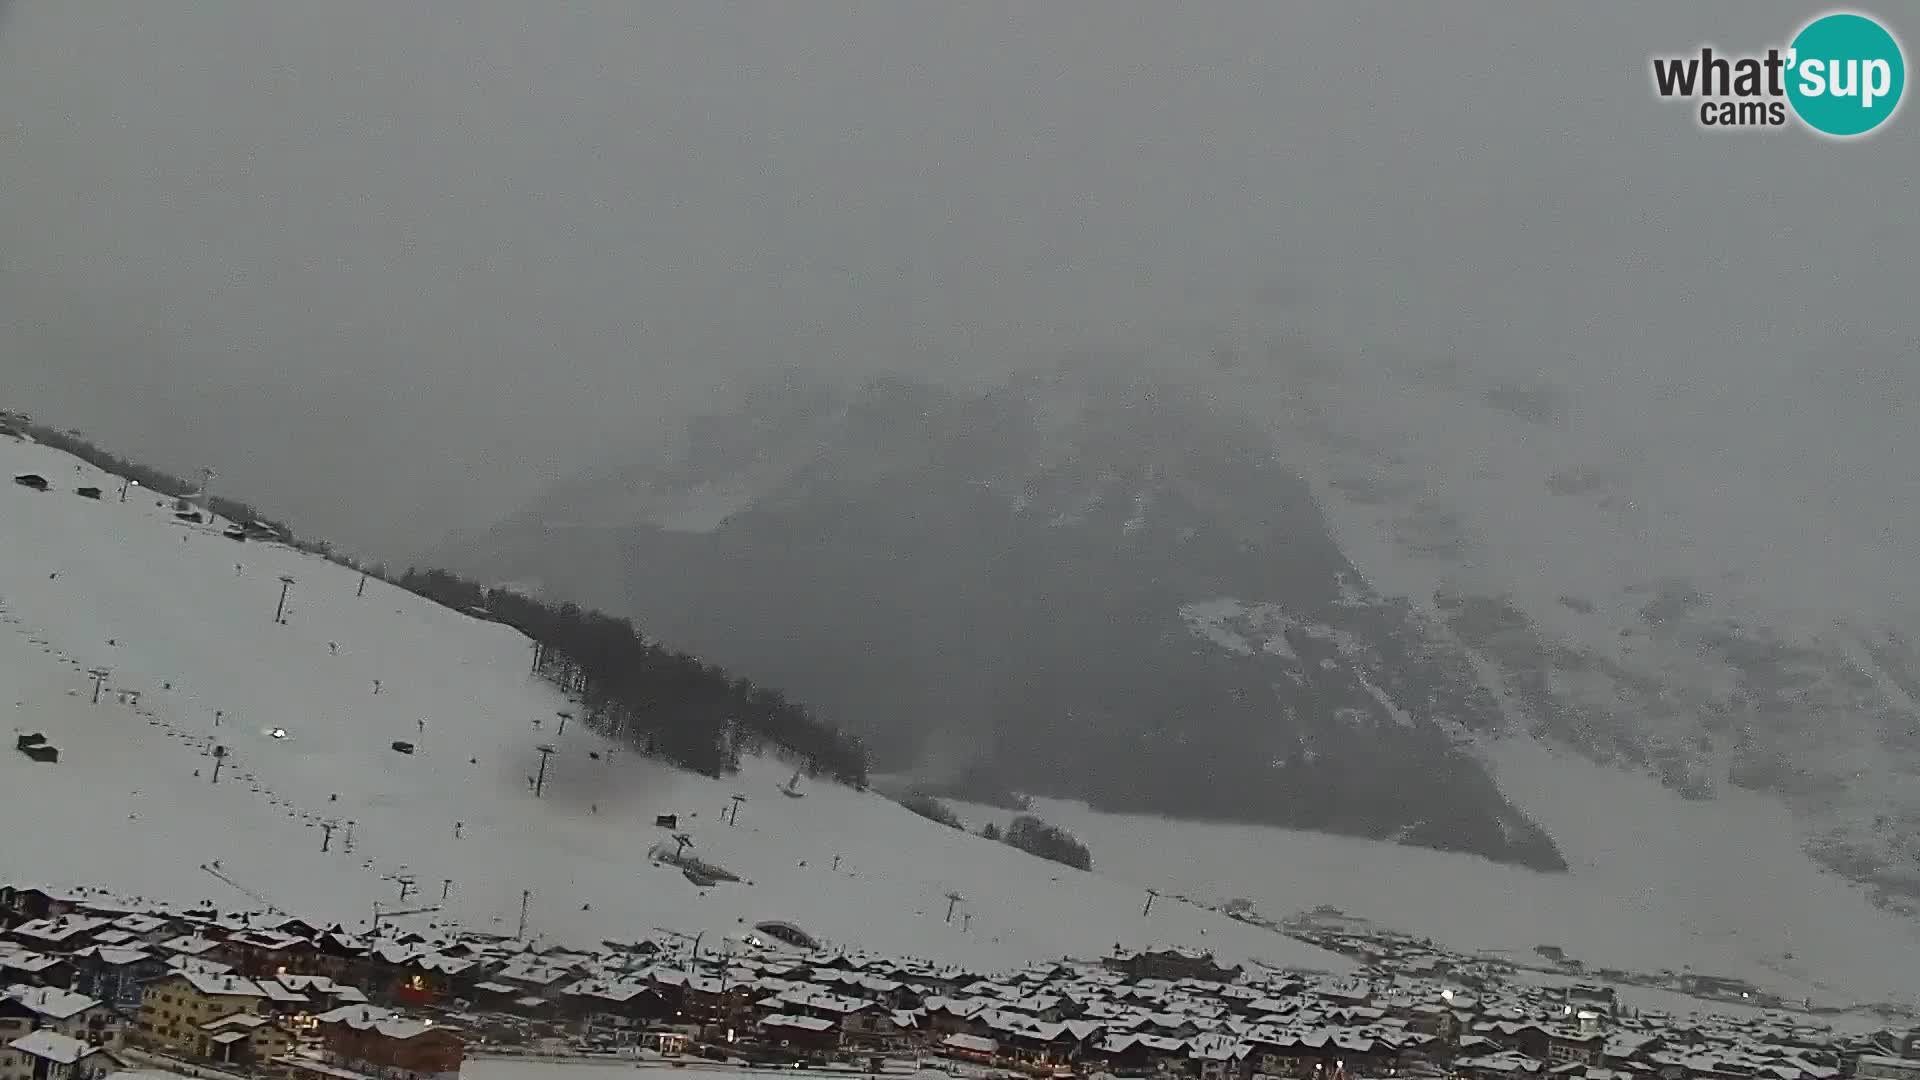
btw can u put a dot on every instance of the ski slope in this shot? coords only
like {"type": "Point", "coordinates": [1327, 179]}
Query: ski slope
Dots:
{"type": "Point", "coordinates": [185, 618]}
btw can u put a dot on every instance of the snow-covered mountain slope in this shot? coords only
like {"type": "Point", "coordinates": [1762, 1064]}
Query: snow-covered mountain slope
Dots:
{"type": "Point", "coordinates": [182, 620]}
{"type": "Point", "coordinates": [1251, 580]}
{"type": "Point", "coordinates": [1003, 588]}
{"type": "Point", "coordinates": [1656, 882]}
{"type": "Point", "coordinates": [1715, 614]}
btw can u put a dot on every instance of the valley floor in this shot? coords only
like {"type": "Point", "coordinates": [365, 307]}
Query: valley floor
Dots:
{"type": "Point", "coordinates": [1656, 882]}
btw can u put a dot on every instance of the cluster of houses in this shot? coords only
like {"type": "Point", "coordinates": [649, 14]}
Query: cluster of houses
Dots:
{"type": "Point", "coordinates": [89, 984]}
{"type": "Point", "coordinates": [89, 977]}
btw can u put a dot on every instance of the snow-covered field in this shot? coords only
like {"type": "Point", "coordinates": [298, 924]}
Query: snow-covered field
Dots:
{"type": "Point", "coordinates": [1657, 882]}
{"type": "Point", "coordinates": [132, 806]}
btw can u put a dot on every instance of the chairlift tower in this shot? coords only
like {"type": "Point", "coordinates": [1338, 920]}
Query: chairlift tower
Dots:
{"type": "Point", "coordinates": [280, 610]}
{"type": "Point", "coordinates": [540, 780]}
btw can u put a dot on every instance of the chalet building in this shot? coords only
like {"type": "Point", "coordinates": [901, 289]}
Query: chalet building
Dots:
{"type": "Point", "coordinates": [1135, 1054]}
{"type": "Point", "coordinates": [952, 1016]}
{"type": "Point", "coordinates": [15, 1020]}
{"type": "Point", "coordinates": [716, 999]}
{"type": "Point", "coordinates": [490, 996]}
{"type": "Point", "coordinates": [245, 1040]}
{"type": "Point", "coordinates": [192, 946]}
{"type": "Point", "coordinates": [49, 1055]}
{"type": "Point", "coordinates": [115, 975]}
{"type": "Point", "coordinates": [22, 904]}
{"type": "Point", "coordinates": [1521, 1037]}
{"type": "Point", "coordinates": [77, 1015]}
{"type": "Point", "coordinates": [616, 1004]}
{"type": "Point", "coordinates": [899, 1031]}
{"type": "Point", "coordinates": [1219, 1059]}
{"type": "Point", "coordinates": [290, 925]}
{"type": "Point", "coordinates": [147, 929]}
{"type": "Point", "coordinates": [810, 1036]}
{"type": "Point", "coordinates": [429, 978]}
{"type": "Point", "coordinates": [61, 933]}
{"type": "Point", "coordinates": [373, 1041]}
{"type": "Point", "coordinates": [975, 1048]}
{"type": "Point", "coordinates": [1565, 1044]}
{"type": "Point", "coordinates": [889, 993]}
{"type": "Point", "coordinates": [257, 953]}
{"type": "Point", "coordinates": [320, 993]}
{"type": "Point", "coordinates": [1499, 1065]}
{"type": "Point", "coordinates": [1172, 965]}
{"type": "Point", "coordinates": [1438, 1021]}
{"type": "Point", "coordinates": [1039, 1043]}
{"type": "Point", "coordinates": [19, 965]}
{"type": "Point", "coordinates": [535, 978]}
{"type": "Point", "coordinates": [173, 1008]}
{"type": "Point", "coordinates": [341, 957]}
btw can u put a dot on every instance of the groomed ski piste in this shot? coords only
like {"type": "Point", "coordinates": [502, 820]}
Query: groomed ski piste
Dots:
{"type": "Point", "coordinates": [181, 621]}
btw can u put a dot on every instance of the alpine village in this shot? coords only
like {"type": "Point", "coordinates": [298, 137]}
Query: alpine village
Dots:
{"type": "Point", "coordinates": [95, 985]}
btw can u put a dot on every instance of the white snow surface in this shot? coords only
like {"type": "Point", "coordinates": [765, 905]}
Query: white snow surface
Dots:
{"type": "Point", "coordinates": [1656, 882]}
{"type": "Point", "coordinates": [131, 805]}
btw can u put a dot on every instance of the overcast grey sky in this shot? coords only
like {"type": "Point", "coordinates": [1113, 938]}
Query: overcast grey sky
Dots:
{"type": "Point", "coordinates": [389, 266]}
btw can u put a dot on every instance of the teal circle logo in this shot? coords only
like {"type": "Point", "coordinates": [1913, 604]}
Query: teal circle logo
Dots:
{"type": "Point", "coordinates": [1847, 74]}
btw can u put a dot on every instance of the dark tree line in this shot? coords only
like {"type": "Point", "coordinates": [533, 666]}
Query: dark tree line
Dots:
{"type": "Point", "coordinates": [665, 703]}
{"type": "Point", "coordinates": [931, 808]}
{"type": "Point", "coordinates": [1036, 837]}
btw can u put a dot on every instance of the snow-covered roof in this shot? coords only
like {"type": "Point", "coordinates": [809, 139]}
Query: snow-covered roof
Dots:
{"type": "Point", "coordinates": [60, 928]}
{"type": "Point", "coordinates": [220, 985]}
{"type": "Point", "coordinates": [245, 1020]}
{"type": "Point", "coordinates": [53, 1046]}
{"type": "Point", "coordinates": [803, 1023]}
{"type": "Point", "coordinates": [115, 957]}
{"type": "Point", "coordinates": [52, 1002]}
{"type": "Point", "coordinates": [189, 945]}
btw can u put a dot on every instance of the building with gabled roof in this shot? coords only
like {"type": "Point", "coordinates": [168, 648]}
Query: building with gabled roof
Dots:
{"type": "Point", "coordinates": [173, 1008]}
{"type": "Point", "coordinates": [77, 1015]}
{"type": "Point", "coordinates": [49, 1055]}
{"type": "Point", "coordinates": [376, 1041]}
{"type": "Point", "coordinates": [244, 1039]}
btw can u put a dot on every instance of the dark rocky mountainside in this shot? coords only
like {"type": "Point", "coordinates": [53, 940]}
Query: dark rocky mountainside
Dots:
{"type": "Point", "coordinates": [1098, 588]}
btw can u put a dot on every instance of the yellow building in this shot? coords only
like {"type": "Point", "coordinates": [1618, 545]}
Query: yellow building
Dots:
{"type": "Point", "coordinates": [174, 1009]}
